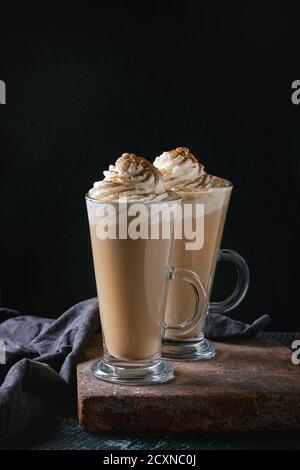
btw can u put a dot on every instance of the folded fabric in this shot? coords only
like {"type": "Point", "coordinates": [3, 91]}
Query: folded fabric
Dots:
{"type": "Point", "coordinates": [41, 356]}
{"type": "Point", "coordinates": [220, 327]}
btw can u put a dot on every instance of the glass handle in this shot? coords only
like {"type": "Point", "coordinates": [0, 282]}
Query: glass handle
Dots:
{"type": "Point", "coordinates": [193, 279]}
{"type": "Point", "coordinates": [241, 286]}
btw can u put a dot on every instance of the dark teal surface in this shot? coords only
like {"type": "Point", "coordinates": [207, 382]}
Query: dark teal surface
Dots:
{"type": "Point", "coordinates": [67, 434]}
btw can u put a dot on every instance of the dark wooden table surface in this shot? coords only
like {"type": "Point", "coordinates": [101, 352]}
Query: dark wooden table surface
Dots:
{"type": "Point", "coordinates": [250, 385]}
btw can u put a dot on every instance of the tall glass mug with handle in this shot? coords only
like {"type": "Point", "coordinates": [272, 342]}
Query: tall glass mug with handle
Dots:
{"type": "Point", "coordinates": [184, 174]}
{"type": "Point", "coordinates": [132, 269]}
{"type": "Point", "coordinates": [203, 261]}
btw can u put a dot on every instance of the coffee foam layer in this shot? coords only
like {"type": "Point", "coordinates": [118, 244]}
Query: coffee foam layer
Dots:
{"type": "Point", "coordinates": [213, 201]}
{"type": "Point", "coordinates": [181, 171]}
{"type": "Point", "coordinates": [132, 178]}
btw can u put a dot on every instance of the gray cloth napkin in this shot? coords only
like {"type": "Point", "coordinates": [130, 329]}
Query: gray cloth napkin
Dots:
{"type": "Point", "coordinates": [41, 356]}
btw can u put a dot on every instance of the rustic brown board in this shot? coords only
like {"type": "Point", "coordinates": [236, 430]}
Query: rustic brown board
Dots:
{"type": "Point", "coordinates": [249, 385]}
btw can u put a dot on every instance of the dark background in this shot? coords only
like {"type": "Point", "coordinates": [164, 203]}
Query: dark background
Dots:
{"type": "Point", "coordinates": [86, 82]}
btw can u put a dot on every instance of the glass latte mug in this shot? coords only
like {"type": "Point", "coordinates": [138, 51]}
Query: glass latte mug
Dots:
{"type": "Point", "coordinates": [132, 270]}
{"type": "Point", "coordinates": [203, 261]}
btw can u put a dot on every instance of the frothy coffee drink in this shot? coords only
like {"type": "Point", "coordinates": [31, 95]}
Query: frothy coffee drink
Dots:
{"type": "Point", "coordinates": [130, 274]}
{"type": "Point", "coordinates": [183, 173]}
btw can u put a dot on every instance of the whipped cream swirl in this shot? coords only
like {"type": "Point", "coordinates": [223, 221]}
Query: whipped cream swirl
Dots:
{"type": "Point", "coordinates": [182, 171]}
{"type": "Point", "coordinates": [131, 178]}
